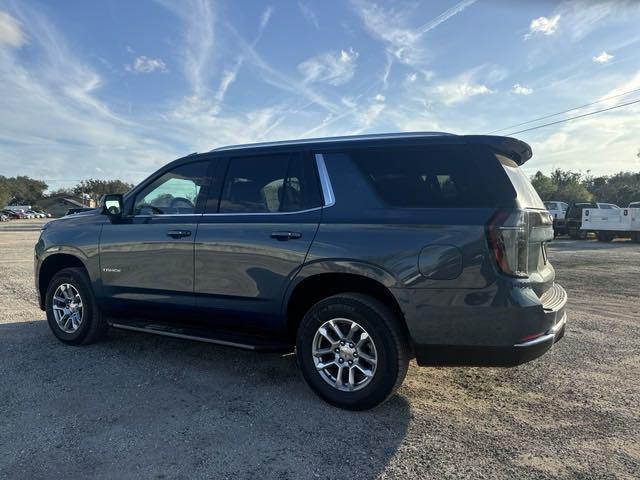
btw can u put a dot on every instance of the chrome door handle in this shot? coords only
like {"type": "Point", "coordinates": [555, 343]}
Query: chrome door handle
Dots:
{"type": "Point", "coordinates": [178, 233]}
{"type": "Point", "coordinates": [283, 236]}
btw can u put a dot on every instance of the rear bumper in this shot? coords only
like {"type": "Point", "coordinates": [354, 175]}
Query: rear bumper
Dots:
{"type": "Point", "coordinates": [552, 314]}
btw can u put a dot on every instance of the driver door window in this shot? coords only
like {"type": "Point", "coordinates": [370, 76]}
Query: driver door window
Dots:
{"type": "Point", "coordinates": [177, 192]}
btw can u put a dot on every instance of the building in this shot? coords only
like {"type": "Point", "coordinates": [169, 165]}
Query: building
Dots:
{"type": "Point", "coordinates": [58, 205]}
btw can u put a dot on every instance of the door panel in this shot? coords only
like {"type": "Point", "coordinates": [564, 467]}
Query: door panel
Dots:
{"type": "Point", "coordinates": [241, 270]}
{"type": "Point", "coordinates": [252, 244]}
{"type": "Point", "coordinates": [141, 262]}
{"type": "Point", "coordinates": [147, 256]}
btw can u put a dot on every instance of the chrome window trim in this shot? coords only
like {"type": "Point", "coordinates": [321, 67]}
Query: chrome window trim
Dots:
{"type": "Point", "coordinates": [167, 215]}
{"type": "Point", "coordinates": [226, 214]}
{"type": "Point", "coordinates": [325, 181]}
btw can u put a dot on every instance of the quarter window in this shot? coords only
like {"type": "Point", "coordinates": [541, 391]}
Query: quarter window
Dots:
{"type": "Point", "coordinates": [270, 184]}
{"type": "Point", "coordinates": [430, 176]}
{"type": "Point", "coordinates": [175, 192]}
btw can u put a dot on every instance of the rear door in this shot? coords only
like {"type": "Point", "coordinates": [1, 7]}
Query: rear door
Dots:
{"type": "Point", "coordinates": [252, 242]}
{"type": "Point", "coordinates": [147, 258]}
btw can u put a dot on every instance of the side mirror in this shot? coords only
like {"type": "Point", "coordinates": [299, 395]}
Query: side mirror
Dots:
{"type": "Point", "coordinates": [112, 205]}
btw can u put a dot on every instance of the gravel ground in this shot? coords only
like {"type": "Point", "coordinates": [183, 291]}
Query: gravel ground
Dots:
{"type": "Point", "coordinates": [140, 406]}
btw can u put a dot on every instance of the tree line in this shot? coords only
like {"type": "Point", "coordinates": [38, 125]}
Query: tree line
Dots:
{"type": "Point", "coordinates": [621, 188]}
{"type": "Point", "coordinates": [23, 190]}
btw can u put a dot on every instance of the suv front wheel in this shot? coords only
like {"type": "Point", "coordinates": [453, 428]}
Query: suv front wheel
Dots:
{"type": "Point", "coordinates": [72, 313]}
{"type": "Point", "coordinates": [352, 351]}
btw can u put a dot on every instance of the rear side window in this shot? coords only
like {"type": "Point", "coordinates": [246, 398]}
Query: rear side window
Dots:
{"type": "Point", "coordinates": [270, 184]}
{"type": "Point", "coordinates": [434, 176]}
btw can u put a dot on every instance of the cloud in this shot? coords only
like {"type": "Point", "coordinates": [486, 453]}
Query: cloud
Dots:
{"type": "Point", "coordinates": [144, 64]}
{"type": "Point", "coordinates": [380, 98]}
{"type": "Point", "coordinates": [521, 89]}
{"type": "Point", "coordinates": [604, 57]}
{"type": "Point", "coordinates": [57, 114]}
{"type": "Point", "coordinates": [309, 14]}
{"type": "Point", "coordinates": [391, 27]}
{"type": "Point", "coordinates": [543, 25]}
{"type": "Point", "coordinates": [412, 77]}
{"type": "Point", "coordinates": [451, 93]}
{"type": "Point", "coordinates": [11, 32]}
{"type": "Point", "coordinates": [264, 19]}
{"type": "Point", "coordinates": [468, 84]}
{"type": "Point", "coordinates": [334, 68]}
{"type": "Point", "coordinates": [199, 19]}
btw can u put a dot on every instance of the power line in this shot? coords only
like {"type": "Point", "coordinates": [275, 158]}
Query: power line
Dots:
{"type": "Point", "coordinates": [564, 111]}
{"type": "Point", "coordinates": [573, 118]}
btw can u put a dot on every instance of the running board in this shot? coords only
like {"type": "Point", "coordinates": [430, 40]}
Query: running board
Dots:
{"type": "Point", "coordinates": [243, 341]}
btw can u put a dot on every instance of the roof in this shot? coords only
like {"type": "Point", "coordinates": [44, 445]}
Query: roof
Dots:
{"type": "Point", "coordinates": [345, 138]}
{"type": "Point", "coordinates": [513, 148]}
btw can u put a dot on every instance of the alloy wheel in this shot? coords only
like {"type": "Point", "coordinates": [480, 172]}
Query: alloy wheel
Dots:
{"type": "Point", "coordinates": [67, 308]}
{"type": "Point", "coordinates": [344, 354]}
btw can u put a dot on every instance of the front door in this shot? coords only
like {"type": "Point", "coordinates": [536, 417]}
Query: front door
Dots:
{"type": "Point", "coordinates": [147, 258]}
{"type": "Point", "coordinates": [252, 244]}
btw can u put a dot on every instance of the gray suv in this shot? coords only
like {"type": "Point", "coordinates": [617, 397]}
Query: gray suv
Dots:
{"type": "Point", "coordinates": [359, 252]}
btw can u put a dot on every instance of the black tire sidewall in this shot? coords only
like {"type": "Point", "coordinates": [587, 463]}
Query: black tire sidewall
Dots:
{"type": "Point", "coordinates": [78, 280]}
{"type": "Point", "coordinates": [387, 369]}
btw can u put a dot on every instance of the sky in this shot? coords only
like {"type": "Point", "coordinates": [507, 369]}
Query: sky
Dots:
{"type": "Point", "coordinates": [116, 89]}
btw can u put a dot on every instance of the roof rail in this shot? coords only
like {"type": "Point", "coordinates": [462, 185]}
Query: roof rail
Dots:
{"type": "Point", "coordinates": [346, 138]}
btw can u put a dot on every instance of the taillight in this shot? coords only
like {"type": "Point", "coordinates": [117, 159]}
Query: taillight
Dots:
{"type": "Point", "coordinates": [508, 233]}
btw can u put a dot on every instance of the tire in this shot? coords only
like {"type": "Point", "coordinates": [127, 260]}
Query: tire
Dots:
{"type": "Point", "coordinates": [581, 235]}
{"type": "Point", "coordinates": [635, 236]}
{"type": "Point", "coordinates": [604, 236]}
{"type": "Point", "coordinates": [387, 342]}
{"type": "Point", "coordinates": [89, 326]}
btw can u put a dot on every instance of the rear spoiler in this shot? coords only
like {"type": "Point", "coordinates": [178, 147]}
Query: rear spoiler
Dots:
{"type": "Point", "coordinates": [515, 149]}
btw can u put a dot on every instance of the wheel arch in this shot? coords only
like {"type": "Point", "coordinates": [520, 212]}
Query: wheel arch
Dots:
{"type": "Point", "coordinates": [311, 288]}
{"type": "Point", "coordinates": [52, 265]}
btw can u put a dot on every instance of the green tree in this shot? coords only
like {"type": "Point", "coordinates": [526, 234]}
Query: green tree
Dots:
{"type": "Point", "coordinates": [97, 188]}
{"type": "Point", "coordinates": [5, 195]}
{"type": "Point", "coordinates": [544, 186]}
{"type": "Point", "coordinates": [573, 192]}
{"type": "Point", "coordinates": [24, 190]}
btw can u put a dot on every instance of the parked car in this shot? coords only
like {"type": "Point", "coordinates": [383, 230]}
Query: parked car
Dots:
{"type": "Point", "coordinates": [360, 252]}
{"type": "Point", "coordinates": [557, 209]}
{"type": "Point", "coordinates": [36, 214]}
{"type": "Point", "coordinates": [73, 211]}
{"type": "Point", "coordinates": [11, 214]}
{"type": "Point", "coordinates": [4, 218]}
{"type": "Point", "coordinates": [573, 220]}
{"type": "Point", "coordinates": [608, 224]}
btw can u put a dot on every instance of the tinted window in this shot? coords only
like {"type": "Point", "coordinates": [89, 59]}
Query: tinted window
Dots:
{"type": "Point", "coordinates": [270, 184]}
{"type": "Point", "coordinates": [175, 192]}
{"type": "Point", "coordinates": [434, 176]}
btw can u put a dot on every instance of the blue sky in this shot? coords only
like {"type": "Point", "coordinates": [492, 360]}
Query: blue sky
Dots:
{"type": "Point", "coordinates": [117, 88]}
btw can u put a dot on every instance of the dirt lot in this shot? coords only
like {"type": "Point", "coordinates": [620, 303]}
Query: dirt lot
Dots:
{"type": "Point", "coordinates": [139, 406]}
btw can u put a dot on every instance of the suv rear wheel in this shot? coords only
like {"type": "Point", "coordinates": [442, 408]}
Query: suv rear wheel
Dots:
{"type": "Point", "coordinates": [352, 351]}
{"type": "Point", "coordinates": [72, 313]}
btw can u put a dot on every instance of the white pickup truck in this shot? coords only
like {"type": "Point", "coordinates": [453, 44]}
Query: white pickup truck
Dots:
{"type": "Point", "coordinates": [557, 209]}
{"type": "Point", "coordinates": [608, 224]}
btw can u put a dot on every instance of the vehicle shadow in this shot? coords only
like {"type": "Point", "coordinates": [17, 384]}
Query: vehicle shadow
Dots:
{"type": "Point", "coordinates": [138, 405]}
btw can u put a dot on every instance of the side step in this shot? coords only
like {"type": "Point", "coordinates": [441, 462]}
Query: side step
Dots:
{"type": "Point", "coordinates": [200, 334]}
